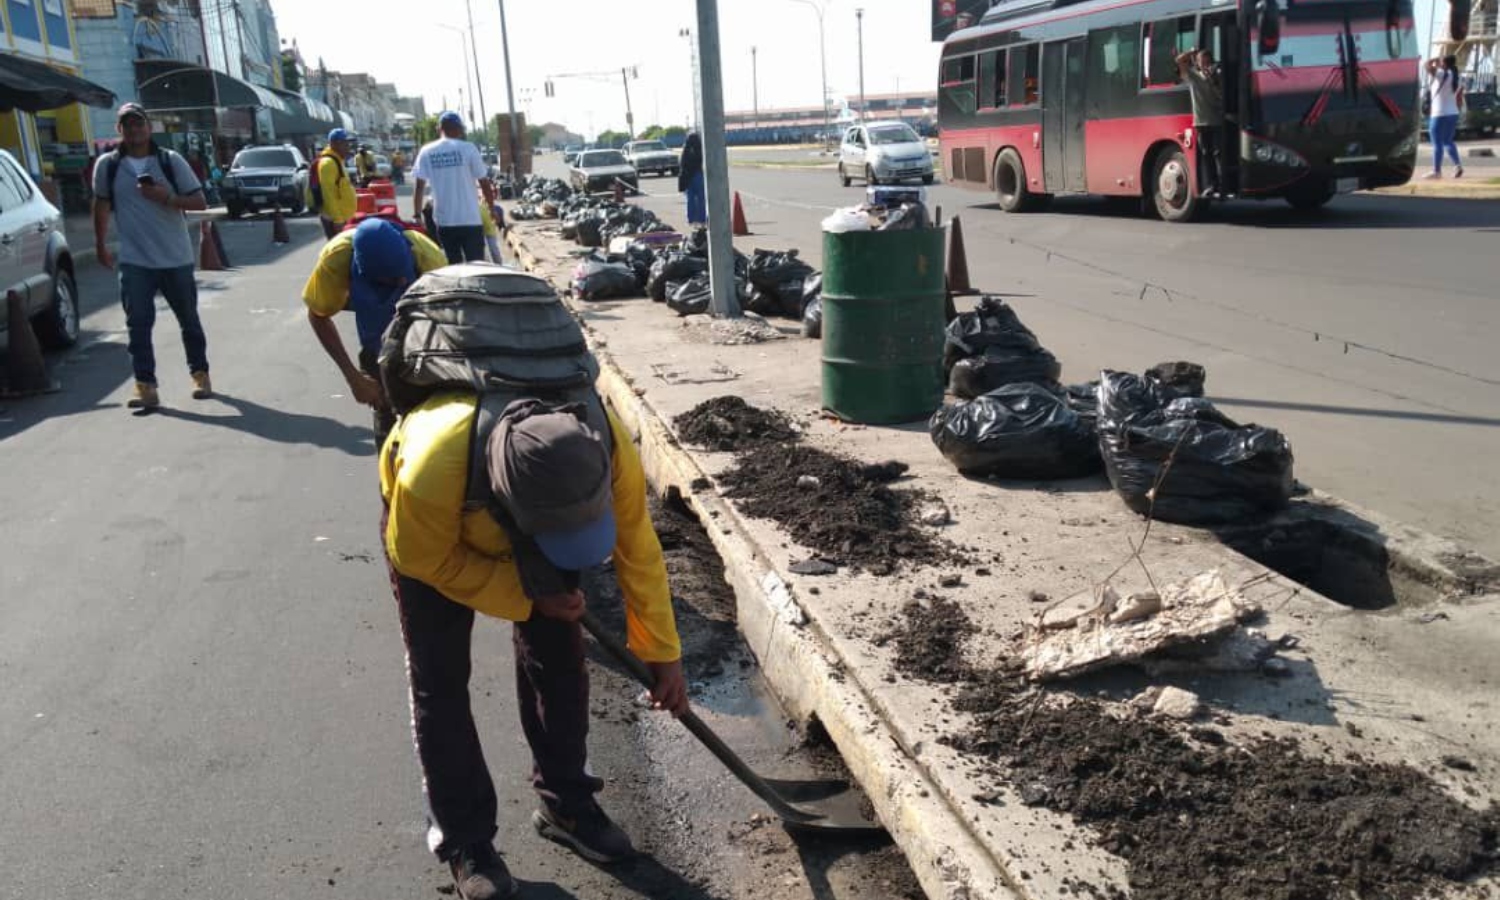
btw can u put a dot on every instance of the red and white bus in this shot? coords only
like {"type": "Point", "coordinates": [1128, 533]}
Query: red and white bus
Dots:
{"type": "Point", "coordinates": [1046, 97]}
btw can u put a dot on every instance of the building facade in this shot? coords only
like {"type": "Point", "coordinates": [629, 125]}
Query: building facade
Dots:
{"type": "Point", "coordinates": [48, 143]}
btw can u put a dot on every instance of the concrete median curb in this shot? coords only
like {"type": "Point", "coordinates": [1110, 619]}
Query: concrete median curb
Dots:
{"type": "Point", "coordinates": [1451, 190]}
{"type": "Point", "coordinates": [800, 662]}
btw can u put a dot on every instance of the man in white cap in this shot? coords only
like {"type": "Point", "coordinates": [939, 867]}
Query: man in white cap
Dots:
{"type": "Point", "coordinates": [566, 496]}
{"type": "Point", "coordinates": [456, 172]}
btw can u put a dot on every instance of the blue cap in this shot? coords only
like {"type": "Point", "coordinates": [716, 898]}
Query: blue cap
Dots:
{"type": "Point", "coordinates": [381, 251]}
{"type": "Point", "coordinates": [338, 134]}
{"type": "Point", "coordinates": [580, 548]}
{"type": "Point", "coordinates": [450, 117]}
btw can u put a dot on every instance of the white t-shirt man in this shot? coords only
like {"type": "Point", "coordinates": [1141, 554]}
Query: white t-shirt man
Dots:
{"type": "Point", "coordinates": [452, 169]}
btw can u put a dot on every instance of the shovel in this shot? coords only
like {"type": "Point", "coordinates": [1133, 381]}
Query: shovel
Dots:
{"type": "Point", "coordinates": [826, 805]}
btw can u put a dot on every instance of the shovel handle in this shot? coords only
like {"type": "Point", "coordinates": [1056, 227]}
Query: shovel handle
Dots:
{"type": "Point", "coordinates": [697, 726]}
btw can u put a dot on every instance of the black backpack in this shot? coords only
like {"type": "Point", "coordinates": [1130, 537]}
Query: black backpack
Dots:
{"type": "Point", "coordinates": [500, 333]}
{"type": "Point", "coordinates": [111, 162]}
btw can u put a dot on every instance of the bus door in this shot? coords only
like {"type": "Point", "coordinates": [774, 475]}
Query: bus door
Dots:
{"type": "Point", "coordinates": [1062, 114]}
{"type": "Point", "coordinates": [1219, 32]}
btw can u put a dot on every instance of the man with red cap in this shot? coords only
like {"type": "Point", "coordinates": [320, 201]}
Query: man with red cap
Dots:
{"type": "Point", "coordinates": [568, 493]}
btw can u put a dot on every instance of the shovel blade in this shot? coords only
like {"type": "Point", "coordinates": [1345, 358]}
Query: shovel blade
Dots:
{"type": "Point", "coordinates": [826, 805]}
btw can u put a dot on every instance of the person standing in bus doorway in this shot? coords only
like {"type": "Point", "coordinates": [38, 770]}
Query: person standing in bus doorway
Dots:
{"type": "Point", "coordinates": [1447, 95]}
{"type": "Point", "coordinates": [1205, 81]}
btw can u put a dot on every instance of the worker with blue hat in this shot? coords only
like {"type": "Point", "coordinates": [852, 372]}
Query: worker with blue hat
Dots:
{"type": "Point", "coordinates": [330, 189]}
{"type": "Point", "coordinates": [454, 172]}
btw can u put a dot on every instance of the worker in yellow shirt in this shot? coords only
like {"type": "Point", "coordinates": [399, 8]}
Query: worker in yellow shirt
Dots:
{"type": "Point", "coordinates": [487, 213]}
{"type": "Point", "coordinates": [332, 191]}
{"type": "Point", "coordinates": [366, 270]}
{"type": "Point", "coordinates": [570, 497]}
{"type": "Point", "coordinates": [364, 165]}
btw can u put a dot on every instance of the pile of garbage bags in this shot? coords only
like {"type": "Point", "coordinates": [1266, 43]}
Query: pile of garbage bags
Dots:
{"type": "Point", "coordinates": [777, 283]}
{"type": "Point", "coordinates": [597, 278]}
{"type": "Point", "coordinates": [1175, 457]}
{"type": "Point", "coordinates": [1016, 431]}
{"type": "Point", "coordinates": [990, 347]}
{"type": "Point", "coordinates": [541, 198]}
{"type": "Point", "coordinates": [909, 216]}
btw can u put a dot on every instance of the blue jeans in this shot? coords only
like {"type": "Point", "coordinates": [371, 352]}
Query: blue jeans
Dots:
{"type": "Point", "coordinates": [1444, 130]}
{"type": "Point", "coordinates": [138, 289]}
{"type": "Point", "coordinates": [697, 201]}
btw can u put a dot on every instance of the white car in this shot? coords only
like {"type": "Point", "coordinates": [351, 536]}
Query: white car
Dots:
{"type": "Point", "coordinates": [886, 153]}
{"type": "Point", "coordinates": [35, 260]}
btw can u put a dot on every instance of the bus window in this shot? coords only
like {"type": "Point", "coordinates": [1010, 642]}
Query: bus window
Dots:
{"type": "Point", "coordinates": [1113, 63]}
{"type": "Point", "coordinates": [1165, 40]}
{"type": "Point", "coordinates": [1022, 74]}
{"type": "Point", "coordinates": [958, 92]}
{"type": "Point", "coordinates": [992, 80]}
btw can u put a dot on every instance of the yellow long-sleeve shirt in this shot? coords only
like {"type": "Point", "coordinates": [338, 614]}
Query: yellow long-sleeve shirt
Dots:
{"type": "Point", "coordinates": [466, 555]}
{"type": "Point", "coordinates": [339, 202]}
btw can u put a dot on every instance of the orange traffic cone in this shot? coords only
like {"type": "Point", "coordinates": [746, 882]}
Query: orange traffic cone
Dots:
{"type": "Point", "coordinates": [25, 371]}
{"type": "Point", "coordinates": [741, 227]}
{"type": "Point", "coordinates": [958, 262]}
{"type": "Point", "coordinates": [278, 228]}
{"type": "Point", "coordinates": [213, 229]}
{"type": "Point", "coordinates": [208, 249]}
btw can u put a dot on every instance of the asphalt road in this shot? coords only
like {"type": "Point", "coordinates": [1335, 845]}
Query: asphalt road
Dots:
{"type": "Point", "coordinates": [203, 685]}
{"type": "Point", "coordinates": [1366, 332]}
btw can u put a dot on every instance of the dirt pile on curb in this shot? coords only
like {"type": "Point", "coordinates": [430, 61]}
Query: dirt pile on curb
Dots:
{"type": "Point", "coordinates": [731, 424]}
{"type": "Point", "coordinates": [844, 510]}
{"type": "Point", "coordinates": [1193, 814]}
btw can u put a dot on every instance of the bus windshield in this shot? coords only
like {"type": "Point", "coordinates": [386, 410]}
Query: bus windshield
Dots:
{"type": "Point", "coordinates": [1304, 44]}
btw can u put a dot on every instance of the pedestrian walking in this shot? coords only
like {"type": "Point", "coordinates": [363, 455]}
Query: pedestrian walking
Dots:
{"type": "Point", "coordinates": [690, 181]}
{"type": "Point", "coordinates": [366, 270]}
{"type": "Point", "coordinates": [148, 190]}
{"type": "Point", "coordinates": [398, 167]}
{"type": "Point", "coordinates": [455, 170]}
{"type": "Point", "coordinates": [571, 497]}
{"type": "Point", "coordinates": [493, 219]}
{"type": "Point", "coordinates": [364, 165]}
{"type": "Point", "coordinates": [332, 193]}
{"type": "Point", "coordinates": [1205, 83]}
{"type": "Point", "coordinates": [1445, 87]}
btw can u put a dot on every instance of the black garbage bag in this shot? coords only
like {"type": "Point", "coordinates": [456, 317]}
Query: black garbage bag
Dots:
{"type": "Point", "coordinates": [595, 279]}
{"type": "Point", "coordinates": [906, 217]}
{"type": "Point", "coordinates": [1184, 378]}
{"type": "Point", "coordinates": [639, 257]}
{"type": "Point", "coordinates": [590, 231]}
{"type": "Point", "coordinates": [770, 269]}
{"type": "Point", "coordinates": [812, 318]}
{"type": "Point", "coordinates": [998, 366]}
{"type": "Point", "coordinates": [672, 266]}
{"type": "Point", "coordinates": [992, 323]}
{"type": "Point", "coordinates": [1016, 431]}
{"type": "Point", "coordinates": [691, 297]}
{"type": "Point", "coordinates": [762, 302]}
{"type": "Point", "coordinates": [1083, 399]}
{"type": "Point", "coordinates": [1220, 470]}
{"type": "Point", "coordinates": [697, 243]}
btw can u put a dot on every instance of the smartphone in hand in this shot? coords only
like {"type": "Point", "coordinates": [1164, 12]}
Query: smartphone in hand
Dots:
{"type": "Point", "coordinates": [144, 180]}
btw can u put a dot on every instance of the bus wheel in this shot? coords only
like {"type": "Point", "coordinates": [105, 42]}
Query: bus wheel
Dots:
{"type": "Point", "coordinates": [1314, 196]}
{"type": "Point", "coordinates": [1010, 184]}
{"type": "Point", "coordinates": [1172, 188]}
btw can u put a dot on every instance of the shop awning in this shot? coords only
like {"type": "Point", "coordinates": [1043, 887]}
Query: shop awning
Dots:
{"type": "Point", "coordinates": [168, 85]}
{"type": "Point", "coordinates": [307, 116]}
{"type": "Point", "coordinates": [32, 85]}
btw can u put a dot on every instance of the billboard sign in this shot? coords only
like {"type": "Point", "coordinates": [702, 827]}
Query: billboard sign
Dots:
{"type": "Point", "coordinates": [949, 16]}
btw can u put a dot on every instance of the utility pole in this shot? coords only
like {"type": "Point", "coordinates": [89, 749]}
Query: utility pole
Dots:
{"type": "Point", "coordinates": [629, 115]}
{"type": "Point", "coordinates": [465, 43]}
{"type": "Point", "coordinates": [859, 16]}
{"type": "Point", "coordinates": [510, 95]}
{"type": "Point", "coordinates": [239, 35]}
{"type": "Point", "coordinates": [687, 34]}
{"type": "Point", "coordinates": [715, 165]}
{"type": "Point", "coordinates": [755, 87]}
{"type": "Point", "coordinates": [823, 57]}
{"type": "Point", "coordinates": [474, 54]}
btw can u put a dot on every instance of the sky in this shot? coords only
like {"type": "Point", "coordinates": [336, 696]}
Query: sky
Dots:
{"type": "Point", "coordinates": [406, 43]}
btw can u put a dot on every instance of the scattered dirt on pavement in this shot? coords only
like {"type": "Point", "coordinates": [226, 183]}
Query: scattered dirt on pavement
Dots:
{"type": "Point", "coordinates": [844, 510]}
{"type": "Point", "coordinates": [1193, 814]}
{"type": "Point", "coordinates": [729, 423]}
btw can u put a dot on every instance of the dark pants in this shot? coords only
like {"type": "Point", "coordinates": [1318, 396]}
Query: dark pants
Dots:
{"type": "Point", "coordinates": [330, 227]}
{"type": "Point", "coordinates": [462, 243]}
{"type": "Point", "coordinates": [1211, 156]}
{"type": "Point", "coordinates": [138, 289]}
{"type": "Point", "coordinates": [385, 417]}
{"type": "Point", "coordinates": [552, 687]}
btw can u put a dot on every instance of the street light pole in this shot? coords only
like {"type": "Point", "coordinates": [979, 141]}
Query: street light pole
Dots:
{"type": "Point", "coordinates": [465, 42]}
{"type": "Point", "coordinates": [755, 87]}
{"type": "Point", "coordinates": [859, 16]}
{"type": "Point", "coordinates": [823, 59]}
{"type": "Point", "coordinates": [687, 34]}
{"type": "Point", "coordinates": [478, 78]}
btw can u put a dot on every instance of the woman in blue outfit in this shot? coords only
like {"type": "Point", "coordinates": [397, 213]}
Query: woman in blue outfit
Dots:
{"type": "Point", "coordinates": [690, 181]}
{"type": "Point", "coordinates": [1446, 90]}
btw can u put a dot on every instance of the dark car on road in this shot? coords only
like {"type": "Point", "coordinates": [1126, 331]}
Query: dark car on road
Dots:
{"type": "Point", "coordinates": [1480, 115]}
{"type": "Point", "coordinates": [598, 170]}
{"type": "Point", "coordinates": [652, 156]}
{"type": "Point", "coordinates": [265, 178]}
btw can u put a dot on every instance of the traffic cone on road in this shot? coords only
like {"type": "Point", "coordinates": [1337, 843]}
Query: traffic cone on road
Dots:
{"type": "Point", "coordinates": [958, 261]}
{"type": "Point", "coordinates": [278, 228]}
{"type": "Point", "coordinates": [741, 227]}
{"type": "Point", "coordinates": [209, 259]}
{"type": "Point", "coordinates": [213, 229]}
{"type": "Point", "coordinates": [25, 370]}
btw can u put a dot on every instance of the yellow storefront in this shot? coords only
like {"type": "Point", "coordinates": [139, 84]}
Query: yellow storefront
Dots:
{"type": "Point", "coordinates": [52, 144]}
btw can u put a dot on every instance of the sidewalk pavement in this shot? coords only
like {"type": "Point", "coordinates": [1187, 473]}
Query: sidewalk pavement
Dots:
{"type": "Point", "coordinates": [1397, 686]}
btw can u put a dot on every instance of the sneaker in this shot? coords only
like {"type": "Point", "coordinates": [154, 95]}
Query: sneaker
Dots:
{"type": "Point", "coordinates": [202, 387]}
{"type": "Point", "coordinates": [480, 874]}
{"type": "Point", "coordinates": [145, 397]}
{"type": "Point", "coordinates": [586, 829]}
{"type": "Point", "coordinates": [1431, 175]}
{"type": "Point", "coordinates": [1458, 172]}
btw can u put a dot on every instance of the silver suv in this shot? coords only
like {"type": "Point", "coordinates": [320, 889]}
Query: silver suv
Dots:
{"type": "Point", "coordinates": [35, 260]}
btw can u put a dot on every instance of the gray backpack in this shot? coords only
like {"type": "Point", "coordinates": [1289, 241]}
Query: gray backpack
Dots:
{"type": "Point", "coordinates": [498, 332]}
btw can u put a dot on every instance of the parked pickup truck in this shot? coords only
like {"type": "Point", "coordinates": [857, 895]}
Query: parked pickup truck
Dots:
{"type": "Point", "coordinates": [652, 156]}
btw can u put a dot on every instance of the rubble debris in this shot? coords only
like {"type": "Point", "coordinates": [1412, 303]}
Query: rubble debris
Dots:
{"type": "Point", "coordinates": [1185, 378]}
{"type": "Point", "coordinates": [931, 639]}
{"type": "Point", "coordinates": [934, 514]}
{"type": "Point", "coordinates": [1077, 637]}
{"type": "Point", "coordinates": [729, 423]}
{"type": "Point", "coordinates": [807, 482]}
{"type": "Point", "coordinates": [813, 566]}
{"type": "Point", "coordinates": [1176, 703]}
{"type": "Point", "coordinates": [1459, 763]}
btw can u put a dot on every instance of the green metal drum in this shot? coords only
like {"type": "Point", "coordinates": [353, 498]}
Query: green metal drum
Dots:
{"type": "Point", "coordinates": [883, 294]}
